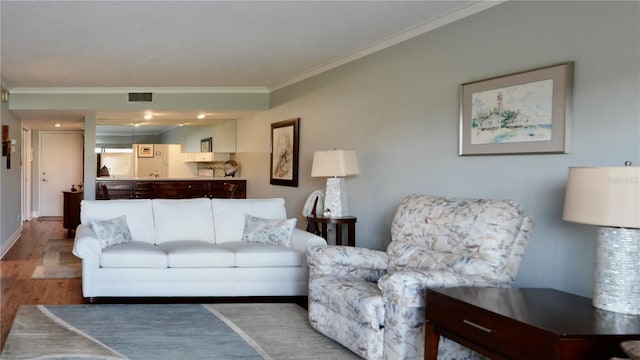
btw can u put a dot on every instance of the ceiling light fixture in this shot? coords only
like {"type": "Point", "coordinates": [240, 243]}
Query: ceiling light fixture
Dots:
{"type": "Point", "coordinates": [148, 116]}
{"type": "Point", "coordinates": [201, 116]}
{"type": "Point", "coordinates": [57, 125]}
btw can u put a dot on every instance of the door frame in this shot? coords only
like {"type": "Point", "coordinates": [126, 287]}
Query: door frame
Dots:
{"type": "Point", "coordinates": [26, 174]}
{"type": "Point", "coordinates": [40, 182]}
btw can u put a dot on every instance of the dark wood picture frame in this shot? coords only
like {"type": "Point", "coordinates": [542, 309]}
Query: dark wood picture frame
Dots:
{"type": "Point", "coordinates": [206, 145]}
{"type": "Point", "coordinates": [284, 152]}
{"type": "Point", "coordinates": [6, 145]}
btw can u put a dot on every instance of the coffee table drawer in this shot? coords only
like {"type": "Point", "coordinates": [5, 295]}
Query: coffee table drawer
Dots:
{"type": "Point", "coordinates": [487, 329]}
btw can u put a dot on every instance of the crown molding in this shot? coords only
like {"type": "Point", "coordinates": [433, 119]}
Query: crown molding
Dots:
{"type": "Point", "coordinates": [460, 13]}
{"type": "Point", "coordinates": [155, 90]}
{"type": "Point", "coordinates": [456, 15]}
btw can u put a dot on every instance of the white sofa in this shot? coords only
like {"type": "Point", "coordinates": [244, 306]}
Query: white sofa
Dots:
{"type": "Point", "coordinates": [189, 248]}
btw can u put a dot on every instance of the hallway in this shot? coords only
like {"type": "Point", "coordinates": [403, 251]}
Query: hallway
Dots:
{"type": "Point", "coordinates": [16, 285]}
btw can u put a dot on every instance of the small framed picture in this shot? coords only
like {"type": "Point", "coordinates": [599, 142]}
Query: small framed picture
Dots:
{"type": "Point", "coordinates": [522, 113]}
{"type": "Point", "coordinates": [284, 152]}
{"type": "Point", "coordinates": [206, 145]}
{"type": "Point", "coordinates": [145, 150]}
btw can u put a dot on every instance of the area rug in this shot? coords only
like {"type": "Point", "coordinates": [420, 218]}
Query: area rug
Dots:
{"type": "Point", "coordinates": [50, 218]}
{"type": "Point", "coordinates": [168, 331]}
{"type": "Point", "coordinates": [58, 262]}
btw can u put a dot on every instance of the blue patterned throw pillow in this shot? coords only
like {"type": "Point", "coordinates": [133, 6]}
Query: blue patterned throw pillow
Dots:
{"type": "Point", "coordinates": [111, 232]}
{"type": "Point", "coordinates": [268, 231]}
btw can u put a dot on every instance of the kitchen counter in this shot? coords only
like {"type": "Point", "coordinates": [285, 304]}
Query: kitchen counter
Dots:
{"type": "Point", "coordinates": [151, 178]}
{"type": "Point", "coordinates": [168, 188]}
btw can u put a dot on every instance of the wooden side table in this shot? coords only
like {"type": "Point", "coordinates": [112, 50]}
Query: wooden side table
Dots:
{"type": "Point", "coordinates": [511, 323]}
{"type": "Point", "coordinates": [318, 226]}
{"type": "Point", "coordinates": [71, 210]}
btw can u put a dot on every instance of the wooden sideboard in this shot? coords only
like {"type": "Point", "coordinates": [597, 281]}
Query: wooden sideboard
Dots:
{"type": "Point", "coordinates": [169, 189]}
{"type": "Point", "coordinates": [71, 210]}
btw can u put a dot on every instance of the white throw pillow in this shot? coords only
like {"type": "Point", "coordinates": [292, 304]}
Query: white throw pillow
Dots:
{"type": "Point", "coordinates": [229, 215]}
{"type": "Point", "coordinates": [268, 231]}
{"type": "Point", "coordinates": [111, 232]}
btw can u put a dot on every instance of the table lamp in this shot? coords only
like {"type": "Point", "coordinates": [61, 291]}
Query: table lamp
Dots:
{"type": "Point", "coordinates": [610, 198]}
{"type": "Point", "coordinates": [335, 165]}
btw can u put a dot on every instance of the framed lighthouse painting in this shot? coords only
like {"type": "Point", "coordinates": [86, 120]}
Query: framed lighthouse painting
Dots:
{"type": "Point", "coordinates": [522, 113]}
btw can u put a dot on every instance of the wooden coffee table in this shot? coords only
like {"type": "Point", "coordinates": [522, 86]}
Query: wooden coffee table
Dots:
{"type": "Point", "coordinates": [511, 323]}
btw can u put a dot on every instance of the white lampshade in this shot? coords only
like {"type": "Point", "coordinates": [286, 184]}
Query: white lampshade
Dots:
{"type": "Point", "coordinates": [605, 196]}
{"type": "Point", "coordinates": [332, 163]}
{"type": "Point", "coordinates": [335, 165]}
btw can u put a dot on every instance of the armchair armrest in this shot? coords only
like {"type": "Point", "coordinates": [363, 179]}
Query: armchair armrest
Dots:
{"type": "Point", "coordinates": [302, 240]}
{"type": "Point", "coordinates": [407, 288]}
{"type": "Point", "coordinates": [86, 244]}
{"type": "Point", "coordinates": [347, 262]}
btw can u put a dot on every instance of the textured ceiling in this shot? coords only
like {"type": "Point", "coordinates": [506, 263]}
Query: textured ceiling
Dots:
{"type": "Point", "coordinates": [152, 44]}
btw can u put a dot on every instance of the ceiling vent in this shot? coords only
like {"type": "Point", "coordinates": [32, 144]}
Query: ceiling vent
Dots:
{"type": "Point", "coordinates": [141, 97]}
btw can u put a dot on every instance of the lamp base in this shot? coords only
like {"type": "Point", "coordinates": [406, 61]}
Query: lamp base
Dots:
{"type": "Point", "coordinates": [617, 276]}
{"type": "Point", "coordinates": [335, 198]}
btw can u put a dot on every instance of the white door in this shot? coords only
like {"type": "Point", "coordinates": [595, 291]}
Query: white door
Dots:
{"type": "Point", "coordinates": [60, 167]}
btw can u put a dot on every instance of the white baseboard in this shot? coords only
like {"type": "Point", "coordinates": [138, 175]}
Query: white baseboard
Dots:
{"type": "Point", "coordinates": [6, 246]}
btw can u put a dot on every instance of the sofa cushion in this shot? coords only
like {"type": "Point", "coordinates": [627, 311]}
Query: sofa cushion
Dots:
{"type": "Point", "coordinates": [111, 232]}
{"type": "Point", "coordinates": [268, 231]}
{"type": "Point", "coordinates": [263, 255]}
{"type": "Point", "coordinates": [190, 254]}
{"type": "Point", "coordinates": [135, 254]}
{"type": "Point", "coordinates": [139, 215]}
{"type": "Point", "coordinates": [229, 215]}
{"type": "Point", "coordinates": [183, 219]}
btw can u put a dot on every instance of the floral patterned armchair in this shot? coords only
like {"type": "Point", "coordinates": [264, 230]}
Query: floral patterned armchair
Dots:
{"type": "Point", "coordinates": [373, 302]}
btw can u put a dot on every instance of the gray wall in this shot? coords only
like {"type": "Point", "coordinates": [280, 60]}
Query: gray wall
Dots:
{"type": "Point", "coordinates": [10, 202]}
{"type": "Point", "coordinates": [398, 109]}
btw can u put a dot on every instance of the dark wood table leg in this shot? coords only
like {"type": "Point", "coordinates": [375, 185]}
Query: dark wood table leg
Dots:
{"type": "Point", "coordinates": [312, 227]}
{"type": "Point", "coordinates": [324, 230]}
{"type": "Point", "coordinates": [351, 228]}
{"type": "Point", "coordinates": [431, 340]}
{"type": "Point", "coordinates": [339, 240]}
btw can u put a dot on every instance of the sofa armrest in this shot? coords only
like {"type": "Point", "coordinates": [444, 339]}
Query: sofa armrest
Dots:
{"type": "Point", "coordinates": [407, 288]}
{"type": "Point", "coordinates": [86, 244]}
{"type": "Point", "coordinates": [347, 262]}
{"type": "Point", "coordinates": [302, 240]}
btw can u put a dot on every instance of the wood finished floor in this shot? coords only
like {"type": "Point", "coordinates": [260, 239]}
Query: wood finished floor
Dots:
{"type": "Point", "coordinates": [16, 285]}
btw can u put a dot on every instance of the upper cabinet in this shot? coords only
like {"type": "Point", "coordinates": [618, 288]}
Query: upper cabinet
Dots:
{"type": "Point", "coordinates": [205, 156]}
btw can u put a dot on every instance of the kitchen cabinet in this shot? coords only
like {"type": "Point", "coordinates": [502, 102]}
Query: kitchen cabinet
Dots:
{"type": "Point", "coordinates": [169, 189]}
{"type": "Point", "coordinates": [205, 157]}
